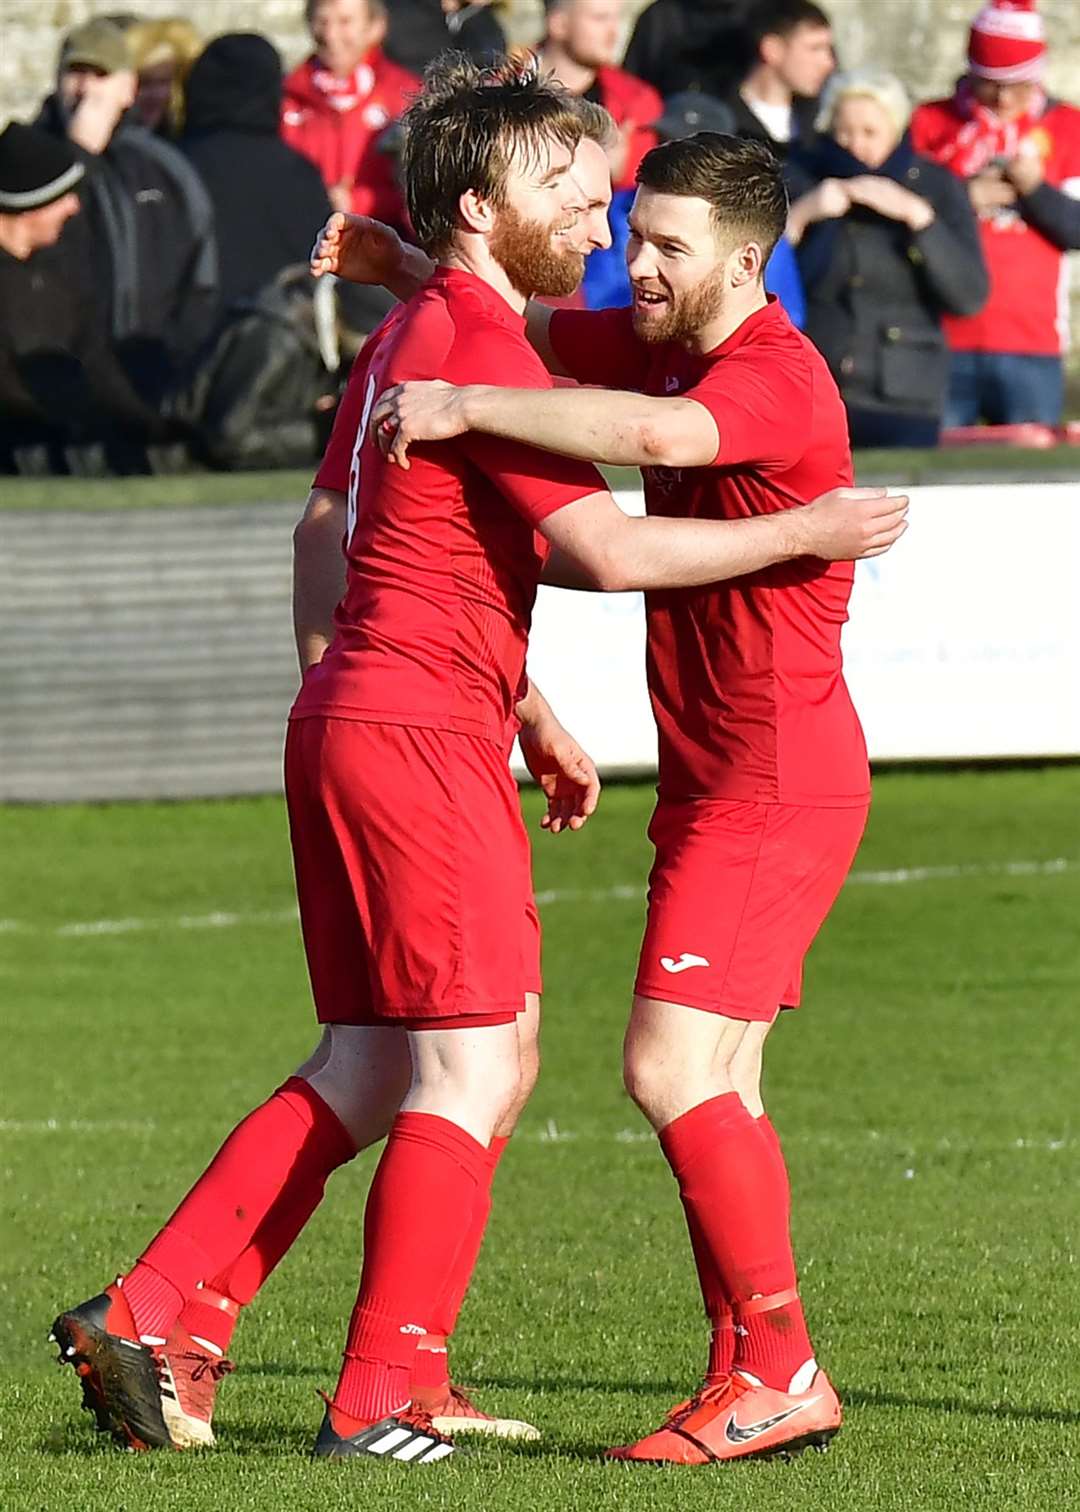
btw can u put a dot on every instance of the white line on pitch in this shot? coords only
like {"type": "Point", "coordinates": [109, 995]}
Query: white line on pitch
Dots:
{"type": "Point", "coordinates": [619, 892]}
{"type": "Point", "coordinates": [76, 1125]}
{"type": "Point", "coordinates": [890, 1141]}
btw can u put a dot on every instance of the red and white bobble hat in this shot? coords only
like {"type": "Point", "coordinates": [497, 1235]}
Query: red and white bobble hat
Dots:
{"type": "Point", "coordinates": [1007, 43]}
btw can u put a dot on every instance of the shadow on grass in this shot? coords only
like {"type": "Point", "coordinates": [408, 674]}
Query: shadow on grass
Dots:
{"type": "Point", "coordinates": [75, 1437]}
{"type": "Point", "coordinates": [272, 1368]}
{"type": "Point", "coordinates": [853, 1397]}
{"type": "Point", "coordinates": [269, 1438]}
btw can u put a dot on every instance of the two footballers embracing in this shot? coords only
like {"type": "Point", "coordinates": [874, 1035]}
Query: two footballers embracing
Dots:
{"type": "Point", "coordinates": [411, 857]}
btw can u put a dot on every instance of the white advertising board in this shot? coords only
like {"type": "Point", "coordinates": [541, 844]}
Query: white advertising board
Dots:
{"type": "Point", "coordinates": [964, 641]}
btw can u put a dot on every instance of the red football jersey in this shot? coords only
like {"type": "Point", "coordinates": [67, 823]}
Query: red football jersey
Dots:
{"type": "Point", "coordinates": [745, 676]}
{"type": "Point", "coordinates": [341, 132]}
{"type": "Point", "coordinates": [442, 560]}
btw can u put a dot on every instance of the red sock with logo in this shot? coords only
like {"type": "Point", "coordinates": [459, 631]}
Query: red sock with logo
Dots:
{"type": "Point", "coordinates": [287, 1147]}
{"type": "Point", "coordinates": [418, 1218]}
{"type": "Point", "coordinates": [431, 1365]}
{"type": "Point", "coordinates": [732, 1189]}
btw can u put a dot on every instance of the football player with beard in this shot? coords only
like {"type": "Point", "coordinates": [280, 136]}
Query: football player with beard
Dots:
{"type": "Point", "coordinates": [411, 859]}
{"type": "Point", "coordinates": [764, 784]}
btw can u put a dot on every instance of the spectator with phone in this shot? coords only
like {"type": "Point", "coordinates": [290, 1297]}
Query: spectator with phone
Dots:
{"type": "Point", "coordinates": [1017, 151]}
{"type": "Point", "coordinates": [149, 217]}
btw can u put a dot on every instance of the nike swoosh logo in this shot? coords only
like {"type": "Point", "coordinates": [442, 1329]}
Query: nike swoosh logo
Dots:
{"type": "Point", "coordinates": [684, 963]}
{"type": "Point", "coordinates": [736, 1433]}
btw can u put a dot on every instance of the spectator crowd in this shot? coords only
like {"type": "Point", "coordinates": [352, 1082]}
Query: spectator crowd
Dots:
{"type": "Point", "coordinates": [156, 218]}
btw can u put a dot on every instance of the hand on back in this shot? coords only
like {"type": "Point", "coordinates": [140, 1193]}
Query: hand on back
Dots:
{"type": "Point", "coordinates": [848, 524]}
{"type": "Point", "coordinates": [429, 410]}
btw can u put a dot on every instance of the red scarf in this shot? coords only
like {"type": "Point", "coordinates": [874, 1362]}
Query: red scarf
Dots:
{"type": "Point", "coordinates": [980, 135]}
{"type": "Point", "coordinates": [343, 94]}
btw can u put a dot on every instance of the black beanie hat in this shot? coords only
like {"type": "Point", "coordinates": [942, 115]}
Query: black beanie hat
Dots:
{"type": "Point", "coordinates": [35, 168]}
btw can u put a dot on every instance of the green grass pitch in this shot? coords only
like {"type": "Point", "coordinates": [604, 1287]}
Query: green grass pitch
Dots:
{"type": "Point", "coordinates": [926, 1095]}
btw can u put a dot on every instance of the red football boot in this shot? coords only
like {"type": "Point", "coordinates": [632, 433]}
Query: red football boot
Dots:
{"type": "Point", "coordinates": [452, 1411]}
{"type": "Point", "coordinates": [740, 1418]}
{"type": "Point", "coordinates": [188, 1377]}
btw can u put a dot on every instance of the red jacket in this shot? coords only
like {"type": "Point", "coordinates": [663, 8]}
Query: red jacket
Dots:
{"type": "Point", "coordinates": [1028, 310]}
{"type": "Point", "coordinates": [629, 98]}
{"type": "Point", "coordinates": [343, 143]}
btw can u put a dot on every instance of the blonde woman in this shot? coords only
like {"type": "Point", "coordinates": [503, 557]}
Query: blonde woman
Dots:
{"type": "Point", "coordinates": [887, 245]}
{"type": "Point", "coordinates": [163, 53]}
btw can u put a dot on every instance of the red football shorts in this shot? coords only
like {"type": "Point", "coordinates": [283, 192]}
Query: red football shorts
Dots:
{"type": "Point", "coordinates": [412, 875]}
{"type": "Point", "coordinates": [736, 895]}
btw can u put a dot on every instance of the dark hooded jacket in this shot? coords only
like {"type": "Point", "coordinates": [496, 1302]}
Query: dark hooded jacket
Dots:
{"type": "Point", "coordinates": [419, 30]}
{"type": "Point", "coordinates": [689, 44]}
{"type": "Point", "coordinates": [155, 253]}
{"type": "Point", "coordinates": [60, 382]}
{"type": "Point", "coordinates": [269, 200]}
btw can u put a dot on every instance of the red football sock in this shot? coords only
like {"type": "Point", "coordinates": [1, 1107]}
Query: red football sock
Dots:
{"type": "Point", "coordinates": [431, 1364]}
{"type": "Point", "coordinates": [717, 1306]}
{"type": "Point", "coordinates": [287, 1147]}
{"type": "Point", "coordinates": [418, 1217]}
{"type": "Point", "coordinates": [212, 1312]}
{"type": "Point", "coordinates": [430, 1374]}
{"type": "Point", "coordinates": [731, 1187]}
{"type": "Point", "coordinates": [210, 1318]}
{"type": "Point", "coordinates": [772, 1139]}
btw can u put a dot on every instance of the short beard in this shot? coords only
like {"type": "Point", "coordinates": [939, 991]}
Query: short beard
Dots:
{"type": "Point", "coordinates": [523, 250]}
{"type": "Point", "coordinates": [687, 313]}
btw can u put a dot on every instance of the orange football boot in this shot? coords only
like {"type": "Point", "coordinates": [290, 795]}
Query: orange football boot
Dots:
{"type": "Point", "coordinates": [741, 1418]}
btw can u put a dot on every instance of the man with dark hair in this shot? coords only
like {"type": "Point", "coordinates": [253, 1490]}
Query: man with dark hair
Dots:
{"type": "Point", "coordinates": [764, 784]}
{"type": "Point", "coordinates": [339, 102]}
{"type": "Point", "coordinates": [411, 858]}
{"type": "Point", "coordinates": [789, 54]}
{"type": "Point", "coordinates": [580, 45]}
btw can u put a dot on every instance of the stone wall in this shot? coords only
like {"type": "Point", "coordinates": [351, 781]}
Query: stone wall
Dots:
{"type": "Point", "coordinates": [922, 40]}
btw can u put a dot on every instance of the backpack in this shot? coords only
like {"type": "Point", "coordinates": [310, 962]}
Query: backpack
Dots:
{"type": "Point", "coordinates": [264, 394]}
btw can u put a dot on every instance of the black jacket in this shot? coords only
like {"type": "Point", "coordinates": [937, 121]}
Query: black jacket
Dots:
{"type": "Point", "coordinates": [876, 292]}
{"type": "Point", "coordinates": [60, 383]}
{"type": "Point", "coordinates": [419, 30]}
{"type": "Point", "coordinates": [748, 125]}
{"type": "Point", "coordinates": [269, 200]}
{"type": "Point", "coordinates": [154, 247]}
{"type": "Point", "coordinates": [689, 44]}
